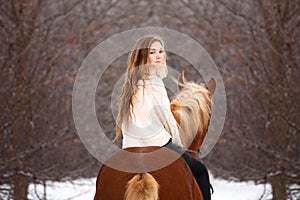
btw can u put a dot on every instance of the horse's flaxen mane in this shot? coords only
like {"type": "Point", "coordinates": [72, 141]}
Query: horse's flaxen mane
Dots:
{"type": "Point", "coordinates": [191, 109]}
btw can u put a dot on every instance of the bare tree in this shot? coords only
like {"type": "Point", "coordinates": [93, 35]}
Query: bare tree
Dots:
{"type": "Point", "coordinates": [256, 45]}
{"type": "Point", "coordinates": [42, 46]}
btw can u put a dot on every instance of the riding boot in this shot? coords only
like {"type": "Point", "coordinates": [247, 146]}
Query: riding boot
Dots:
{"type": "Point", "coordinates": [198, 169]}
{"type": "Point", "coordinates": [200, 174]}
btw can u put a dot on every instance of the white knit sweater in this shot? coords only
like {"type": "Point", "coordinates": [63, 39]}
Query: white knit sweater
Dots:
{"type": "Point", "coordinates": [151, 122]}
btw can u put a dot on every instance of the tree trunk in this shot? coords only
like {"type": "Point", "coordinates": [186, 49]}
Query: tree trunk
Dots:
{"type": "Point", "coordinates": [21, 184]}
{"type": "Point", "coordinates": [279, 187]}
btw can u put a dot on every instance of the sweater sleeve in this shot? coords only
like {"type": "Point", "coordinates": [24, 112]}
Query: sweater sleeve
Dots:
{"type": "Point", "coordinates": [162, 109]}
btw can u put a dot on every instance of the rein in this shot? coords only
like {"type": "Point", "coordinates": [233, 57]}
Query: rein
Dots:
{"type": "Point", "coordinates": [198, 152]}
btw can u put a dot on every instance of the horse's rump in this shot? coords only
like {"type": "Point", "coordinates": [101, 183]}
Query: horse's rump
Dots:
{"type": "Point", "coordinates": [175, 180]}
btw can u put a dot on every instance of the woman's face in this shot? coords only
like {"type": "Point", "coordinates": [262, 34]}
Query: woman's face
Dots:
{"type": "Point", "coordinates": [156, 54]}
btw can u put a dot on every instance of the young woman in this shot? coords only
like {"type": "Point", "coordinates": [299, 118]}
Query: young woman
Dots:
{"type": "Point", "coordinates": [144, 117]}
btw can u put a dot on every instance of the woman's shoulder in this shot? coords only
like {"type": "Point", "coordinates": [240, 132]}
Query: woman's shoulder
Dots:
{"type": "Point", "coordinates": [153, 81]}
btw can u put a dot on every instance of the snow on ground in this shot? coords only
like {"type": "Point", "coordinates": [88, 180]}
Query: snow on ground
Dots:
{"type": "Point", "coordinates": [84, 189]}
{"type": "Point", "coordinates": [81, 189]}
{"type": "Point", "coordinates": [224, 190]}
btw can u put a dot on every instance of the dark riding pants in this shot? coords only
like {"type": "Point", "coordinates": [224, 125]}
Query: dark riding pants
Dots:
{"type": "Point", "coordinates": [198, 169]}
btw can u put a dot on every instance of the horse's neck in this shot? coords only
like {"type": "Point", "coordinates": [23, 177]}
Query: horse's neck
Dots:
{"type": "Point", "coordinates": [196, 144]}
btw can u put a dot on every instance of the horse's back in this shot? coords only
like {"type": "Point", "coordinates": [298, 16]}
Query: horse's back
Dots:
{"type": "Point", "coordinates": [175, 179]}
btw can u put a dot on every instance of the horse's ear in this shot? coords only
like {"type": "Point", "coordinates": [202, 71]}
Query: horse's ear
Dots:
{"type": "Point", "coordinates": [181, 81]}
{"type": "Point", "coordinates": [211, 86]}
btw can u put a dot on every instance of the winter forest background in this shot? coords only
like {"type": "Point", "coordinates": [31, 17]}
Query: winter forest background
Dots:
{"type": "Point", "coordinates": [255, 45]}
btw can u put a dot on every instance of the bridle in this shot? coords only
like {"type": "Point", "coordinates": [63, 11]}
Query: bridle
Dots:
{"type": "Point", "coordinates": [198, 152]}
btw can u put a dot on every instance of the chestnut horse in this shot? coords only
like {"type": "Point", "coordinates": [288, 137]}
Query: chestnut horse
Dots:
{"type": "Point", "coordinates": [169, 180]}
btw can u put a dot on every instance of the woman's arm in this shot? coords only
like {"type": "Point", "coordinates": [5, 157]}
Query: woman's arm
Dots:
{"type": "Point", "coordinates": [162, 109]}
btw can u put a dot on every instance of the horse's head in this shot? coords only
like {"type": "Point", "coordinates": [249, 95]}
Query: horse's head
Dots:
{"type": "Point", "coordinates": [191, 108]}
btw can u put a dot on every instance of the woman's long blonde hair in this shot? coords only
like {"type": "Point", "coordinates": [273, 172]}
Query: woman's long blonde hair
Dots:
{"type": "Point", "coordinates": [137, 69]}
